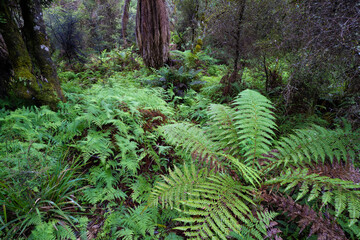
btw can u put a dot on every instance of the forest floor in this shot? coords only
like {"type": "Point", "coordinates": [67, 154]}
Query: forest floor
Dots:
{"type": "Point", "coordinates": [87, 170]}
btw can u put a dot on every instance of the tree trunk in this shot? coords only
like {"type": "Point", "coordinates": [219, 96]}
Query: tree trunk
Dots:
{"type": "Point", "coordinates": [38, 45]}
{"type": "Point", "coordinates": [238, 35]}
{"type": "Point", "coordinates": [153, 32]}
{"type": "Point", "coordinates": [125, 20]}
{"type": "Point", "coordinates": [5, 69]}
{"type": "Point", "coordinates": [23, 83]}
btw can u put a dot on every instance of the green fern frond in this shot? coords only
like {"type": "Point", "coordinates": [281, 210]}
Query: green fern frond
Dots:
{"type": "Point", "coordinates": [216, 208]}
{"type": "Point", "coordinates": [249, 174]}
{"type": "Point", "coordinates": [190, 139]}
{"type": "Point", "coordinates": [96, 144]}
{"type": "Point", "coordinates": [255, 124]}
{"type": "Point", "coordinates": [256, 227]}
{"type": "Point", "coordinates": [317, 143]}
{"type": "Point", "coordinates": [342, 195]}
{"type": "Point", "coordinates": [135, 223]}
{"type": "Point", "coordinates": [104, 182]}
{"type": "Point", "coordinates": [141, 188]}
{"type": "Point", "coordinates": [223, 129]}
{"type": "Point", "coordinates": [101, 194]}
{"type": "Point", "coordinates": [43, 231]}
{"type": "Point", "coordinates": [177, 186]}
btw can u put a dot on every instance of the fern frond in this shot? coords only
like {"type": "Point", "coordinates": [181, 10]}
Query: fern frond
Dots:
{"type": "Point", "coordinates": [314, 144]}
{"type": "Point", "coordinates": [100, 194]}
{"type": "Point", "coordinates": [96, 144]}
{"type": "Point", "coordinates": [247, 172]}
{"type": "Point", "coordinates": [325, 227]}
{"type": "Point", "coordinates": [259, 227]}
{"type": "Point", "coordinates": [177, 186]}
{"type": "Point", "coordinates": [255, 124]}
{"type": "Point", "coordinates": [215, 208]}
{"type": "Point", "coordinates": [141, 189]}
{"type": "Point", "coordinates": [192, 140]}
{"type": "Point", "coordinates": [342, 195]}
{"type": "Point", "coordinates": [223, 129]}
{"type": "Point", "coordinates": [135, 223]}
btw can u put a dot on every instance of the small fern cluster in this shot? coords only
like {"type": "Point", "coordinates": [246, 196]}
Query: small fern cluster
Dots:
{"type": "Point", "coordinates": [241, 161]}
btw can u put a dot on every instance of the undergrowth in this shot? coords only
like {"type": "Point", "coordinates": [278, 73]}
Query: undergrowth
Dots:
{"type": "Point", "coordinates": [125, 160]}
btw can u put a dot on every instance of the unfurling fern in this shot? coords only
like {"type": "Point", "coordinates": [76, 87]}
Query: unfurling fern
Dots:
{"type": "Point", "coordinates": [242, 141]}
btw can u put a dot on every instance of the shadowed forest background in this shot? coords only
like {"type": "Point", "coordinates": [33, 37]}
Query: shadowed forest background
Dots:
{"type": "Point", "coordinates": [179, 119]}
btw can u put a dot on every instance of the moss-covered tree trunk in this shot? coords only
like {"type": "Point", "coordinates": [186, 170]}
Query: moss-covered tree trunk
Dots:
{"type": "Point", "coordinates": [38, 45]}
{"type": "Point", "coordinates": [22, 83]}
{"type": "Point", "coordinates": [153, 32]}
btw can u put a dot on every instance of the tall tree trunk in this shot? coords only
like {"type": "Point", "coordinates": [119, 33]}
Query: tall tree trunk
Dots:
{"type": "Point", "coordinates": [125, 20]}
{"type": "Point", "coordinates": [5, 69]}
{"type": "Point", "coordinates": [38, 45]}
{"type": "Point", "coordinates": [238, 35]}
{"type": "Point", "coordinates": [153, 32]}
{"type": "Point", "coordinates": [23, 84]}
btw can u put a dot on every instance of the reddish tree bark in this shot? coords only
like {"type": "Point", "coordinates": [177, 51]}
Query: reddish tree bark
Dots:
{"type": "Point", "coordinates": [153, 32]}
{"type": "Point", "coordinates": [125, 20]}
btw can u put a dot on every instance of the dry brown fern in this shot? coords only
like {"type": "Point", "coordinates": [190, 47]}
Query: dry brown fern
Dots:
{"type": "Point", "coordinates": [323, 226]}
{"type": "Point", "coordinates": [344, 171]}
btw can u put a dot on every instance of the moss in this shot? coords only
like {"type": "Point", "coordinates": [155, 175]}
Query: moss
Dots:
{"type": "Point", "coordinates": [199, 44]}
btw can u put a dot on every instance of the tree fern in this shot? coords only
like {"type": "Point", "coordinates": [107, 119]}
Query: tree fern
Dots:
{"type": "Point", "coordinates": [211, 196]}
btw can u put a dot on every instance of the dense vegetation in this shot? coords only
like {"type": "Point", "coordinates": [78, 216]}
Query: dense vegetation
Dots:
{"type": "Point", "coordinates": [160, 119]}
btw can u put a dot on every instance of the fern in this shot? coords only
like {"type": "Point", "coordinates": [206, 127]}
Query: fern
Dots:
{"type": "Point", "coordinates": [239, 138]}
{"type": "Point", "coordinates": [141, 188]}
{"type": "Point", "coordinates": [314, 144]}
{"type": "Point", "coordinates": [215, 208]}
{"type": "Point", "coordinates": [104, 182]}
{"type": "Point", "coordinates": [258, 227]}
{"type": "Point", "coordinates": [192, 140]}
{"type": "Point", "coordinates": [339, 193]}
{"type": "Point", "coordinates": [139, 222]}
{"type": "Point", "coordinates": [210, 196]}
{"type": "Point", "coordinates": [255, 124]}
{"type": "Point", "coordinates": [223, 129]}
{"type": "Point", "coordinates": [322, 225]}
{"type": "Point", "coordinates": [177, 186]}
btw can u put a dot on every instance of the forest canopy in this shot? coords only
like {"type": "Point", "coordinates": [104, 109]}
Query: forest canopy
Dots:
{"type": "Point", "coordinates": [179, 119]}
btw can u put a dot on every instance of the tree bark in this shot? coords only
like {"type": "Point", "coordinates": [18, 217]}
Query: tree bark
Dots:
{"type": "Point", "coordinates": [5, 69]}
{"type": "Point", "coordinates": [238, 35]}
{"type": "Point", "coordinates": [153, 32]}
{"type": "Point", "coordinates": [23, 82]}
{"type": "Point", "coordinates": [125, 20]}
{"type": "Point", "coordinates": [38, 46]}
